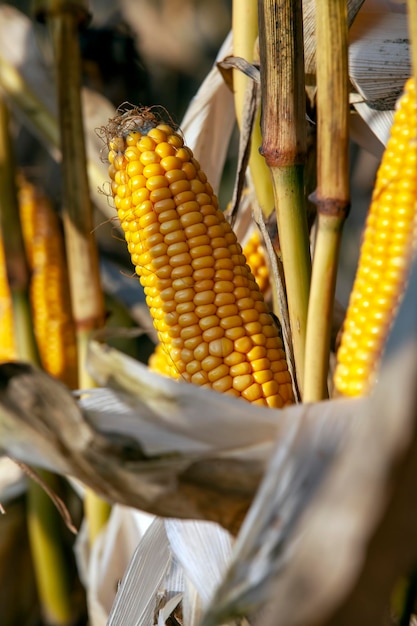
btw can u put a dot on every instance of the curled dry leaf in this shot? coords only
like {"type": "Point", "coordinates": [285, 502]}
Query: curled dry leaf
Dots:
{"type": "Point", "coordinates": [328, 535]}
{"type": "Point", "coordinates": [147, 441]}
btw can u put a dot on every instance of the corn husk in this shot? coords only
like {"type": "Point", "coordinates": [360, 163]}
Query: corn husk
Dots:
{"type": "Point", "coordinates": [209, 120]}
{"type": "Point", "coordinates": [103, 565]}
{"type": "Point", "coordinates": [186, 561]}
{"type": "Point", "coordinates": [379, 64]}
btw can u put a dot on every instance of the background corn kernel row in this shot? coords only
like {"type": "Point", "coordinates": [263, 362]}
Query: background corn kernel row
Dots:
{"type": "Point", "coordinates": [49, 289]}
{"type": "Point", "coordinates": [255, 257]}
{"type": "Point", "coordinates": [8, 348]}
{"type": "Point", "coordinates": [388, 247]}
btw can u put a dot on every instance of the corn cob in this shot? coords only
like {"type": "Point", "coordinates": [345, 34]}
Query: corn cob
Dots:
{"type": "Point", "coordinates": [8, 348]}
{"type": "Point", "coordinates": [49, 286]}
{"type": "Point", "coordinates": [210, 316]}
{"type": "Point", "coordinates": [387, 250]}
{"type": "Point", "coordinates": [255, 256]}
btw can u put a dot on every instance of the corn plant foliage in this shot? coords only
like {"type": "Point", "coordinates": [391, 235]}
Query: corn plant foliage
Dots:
{"type": "Point", "coordinates": [183, 561]}
{"type": "Point", "coordinates": [307, 490]}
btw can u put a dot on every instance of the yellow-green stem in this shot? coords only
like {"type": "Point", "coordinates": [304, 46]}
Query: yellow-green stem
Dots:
{"type": "Point", "coordinates": [284, 148]}
{"type": "Point", "coordinates": [245, 32]}
{"type": "Point", "coordinates": [332, 194]}
{"type": "Point", "coordinates": [261, 177]}
{"type": "Point", "coordinates": [64, 18]}
{"type": "Point", "coordinates": [97, 510]}
{"type": "Point", "coordinates": [22, 316]}
{"type": "Point", "coordinates": [320, 308]}
{"type": "Point", "coordinates": [49, 563]}
{"type": "Point", "coordinates": [294, 244]}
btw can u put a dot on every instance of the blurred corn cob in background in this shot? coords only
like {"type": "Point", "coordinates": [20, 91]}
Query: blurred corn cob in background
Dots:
{"type": "Point", "coordinates": [8, 349]}
{"type": "Point", "coordinates": [254, 252]}
{"type": "Point", "coordinates": [210, 315]}
{"type": "Point", "coordinates": [49, 287]}
{"type": "Point", "coordinates": [387, 250]}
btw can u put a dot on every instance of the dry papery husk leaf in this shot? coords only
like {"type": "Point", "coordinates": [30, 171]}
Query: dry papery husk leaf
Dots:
{"type": "Point", "coordinates": [309, 22]}
{"type": "Point", "coordinates": [379, 65]}
{"type": "Point", "coordinates": [209, 120]}
{"type": "Point", "coordinates": [158, 445]}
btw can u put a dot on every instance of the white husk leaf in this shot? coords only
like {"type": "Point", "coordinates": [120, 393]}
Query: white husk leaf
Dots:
{"type": "Point", "coordinates": [208, 122]}
{"type": "Point", "coordinates": [138, 595]}
{"type": "Point", "coordinates": [199, 554]}
{"type": "Point", "coordinates": [203, 549]}
{"type": "Point", "coordinates": [102, 567]}
{"type": "Point", "coordinates": [379, 59]}
{"type": "Point", "coordinates": [12, 480]}
{"type": "Point", "coordinates": [379, 65]}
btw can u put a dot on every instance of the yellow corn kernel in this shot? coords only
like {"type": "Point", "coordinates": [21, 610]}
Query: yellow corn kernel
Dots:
{"type": "Point", "coordinates": [49, 287]}
{"type": "Point", "coordinates": [255, 256]}
{"type": "Point", "coordinates": [159, 361]}
{"type": "Point", "coordinates": [8, 348]}
{"type": "Point", "coordinates": [387, 250]}
{"type": "Point", "coordinates": [201, 293]}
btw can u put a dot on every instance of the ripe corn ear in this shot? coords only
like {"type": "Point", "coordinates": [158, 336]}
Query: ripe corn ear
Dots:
{"type": "Point", "coordinates": [49, 287]}
{"type": "Point", "coordinates": [256, 259]}
{"type": "Point", "coordinates": [388, 247]}
{"type": "Point", "coordinates": [211, 319]}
